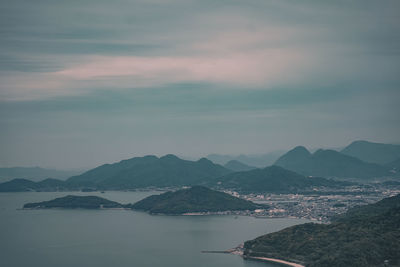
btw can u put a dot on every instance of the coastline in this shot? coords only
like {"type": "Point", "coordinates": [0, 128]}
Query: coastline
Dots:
{"type": "Point", "coordinates": [282, 262]}
{"type": "Point", "coordinates": [240, 249]}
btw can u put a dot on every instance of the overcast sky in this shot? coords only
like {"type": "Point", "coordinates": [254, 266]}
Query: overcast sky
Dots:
{"type": "Point", "coordinates": [93, 81]}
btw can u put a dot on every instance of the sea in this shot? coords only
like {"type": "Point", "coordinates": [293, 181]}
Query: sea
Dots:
{"type": "Point", "coordinates": [121, 238]}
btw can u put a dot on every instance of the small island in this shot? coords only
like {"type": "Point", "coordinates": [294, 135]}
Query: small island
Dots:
{"type": "Point", "coordinates": [197, 199]}
{"type": "Point", "coordinates": [75, 202]}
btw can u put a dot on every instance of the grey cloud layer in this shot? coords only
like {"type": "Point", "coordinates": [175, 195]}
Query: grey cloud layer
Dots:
{"type": "Point", "coordinates": [229, 76]}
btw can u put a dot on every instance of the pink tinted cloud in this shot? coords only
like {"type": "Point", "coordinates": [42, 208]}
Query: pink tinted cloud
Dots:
{"type": "Point", "coordinates": [243, 58]}
{"type": "Point", "coordinates": [258, 68]}
{"type": "Point", "coordinates": [238, 59]}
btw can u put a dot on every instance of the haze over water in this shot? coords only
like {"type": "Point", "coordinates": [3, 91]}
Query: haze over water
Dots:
{"type": "Point", "coordinates": [123, 237]}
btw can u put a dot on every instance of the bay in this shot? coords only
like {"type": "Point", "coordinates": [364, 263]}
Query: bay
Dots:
{"type": "Point", "coordinates": [121, 238]}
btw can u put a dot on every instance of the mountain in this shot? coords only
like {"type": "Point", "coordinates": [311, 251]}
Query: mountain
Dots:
{"type": "Point", "coordinates": [75, 202]}
{"type": "Point", "coordinates": [149, 171]}
{"type": "Point", "coordinates": [297, 159]}
{"type": "Point", "coordinates": [33, 173]}
{"type": "Point", "coordinates": [329, 163]}
{"type": "Point", "coordinates": [259, 161]}
{"type": "Point", "coordinates": [271, 179]}
{"type": "Point", "coordinates": [364, 236]}
{"type": "Point", "coordinates": [23, 185]}
{"type": "Point", "coordinates": [139, 172]}
{"type": "Point", "coordinates": [194, 199]}
{"type": "Point", "coordinates": [373, 152]}
{"type": "Point", "coordinates": [18, 185]}
{"type": "Point", "coordinates": [238, 166]}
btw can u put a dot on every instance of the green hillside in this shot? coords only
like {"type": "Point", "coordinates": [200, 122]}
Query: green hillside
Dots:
{"type": "Point", "coordinates": [149, 171]}
{"type": "Point", "coordinates": [75, 202]}
{"type": "Point", "coordinates": [194, 199]}
{"type": "Point", "coordinates": [365, 236]}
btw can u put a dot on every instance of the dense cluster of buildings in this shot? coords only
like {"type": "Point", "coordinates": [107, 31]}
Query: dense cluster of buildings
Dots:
{"type": "Point", "coordinates": [320, 204]}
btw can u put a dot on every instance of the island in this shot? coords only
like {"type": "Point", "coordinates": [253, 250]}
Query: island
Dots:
{"type": "Point", "coordinates": [197, 199]}
{"type": "Point", "coordinates": [75, 202]}
{"type": "Point", "coordinates": [364, 236]}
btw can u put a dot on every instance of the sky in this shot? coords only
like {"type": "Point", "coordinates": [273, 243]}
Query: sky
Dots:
{"type": "Point", "coordinates": [87, 82]}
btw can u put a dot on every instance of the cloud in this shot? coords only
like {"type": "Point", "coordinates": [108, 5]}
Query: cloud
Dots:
{"type": "Point", "coordinates": [237, 59]}
{"type": "Point", "coordinates": [101, 80]}
{"type": "Point", "coordinates": [251, 68]}
{"type": "Point", "coordinates": [145, 44]}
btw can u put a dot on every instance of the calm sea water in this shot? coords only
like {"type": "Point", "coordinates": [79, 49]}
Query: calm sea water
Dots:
{"type": "Point", "coordinates": [120, 238]}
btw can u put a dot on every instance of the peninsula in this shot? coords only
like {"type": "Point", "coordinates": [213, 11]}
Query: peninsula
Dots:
{"type": "Point", "coordinates": [364, 236]}
{"type": "Point", "coordinates": [193, 200]}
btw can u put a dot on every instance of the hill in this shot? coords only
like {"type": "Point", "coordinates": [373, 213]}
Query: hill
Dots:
{"type": "Point", "coordinates": [258, 161]}
{"type": "Point", "coordinates": [360, 213]}
{"type": "Point", "coordinates": [373, 152]}
{"type": "Point", "coordinates": [272, 179]}
{"type": "Point", "coordinates": [149, 171]}
{"type": "Point", "coordinates": [75, 202]}
{"type": "Point", "coordinates": [194, 199]}
{"type": "Point", "coordinates": [23, 185]}
{"type": "Point", "coordinates": [139, 172]}
{"type": "Point", "coordinates": [33, 173]}
{"type": "Point", "coordinates": [238, 166]}
{"type": "Point", "coordinates": [329, 163]}
{"type": "Point", "coordinates": [365, 236]}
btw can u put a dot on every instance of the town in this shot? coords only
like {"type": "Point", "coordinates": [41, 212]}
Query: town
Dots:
{"type": "Point", "coordinates": [321, 204]}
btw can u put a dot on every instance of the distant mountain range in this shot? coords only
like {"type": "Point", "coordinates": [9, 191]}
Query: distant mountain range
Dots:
{"type": "Point", "coordinates": [330, 163]}
{"type": "Point", "coordinates": [238, 166]}
{"type": "Point", "coordinates": [171, 171]}
{"type": "Point", "coordinates": [138, 172]}
{"type": "Point", "coordinates": [149, 171]}
{"type": "Point", "coordinates": [259, 161]}
{"type": "Point", "coordinates": [33, 173]}
{"type": "Point", "coordinates": [272, 179]}
{"type": "Point", "coordinates": [373, 152]}
{"type": "Point", "coordinates": [364, 236]}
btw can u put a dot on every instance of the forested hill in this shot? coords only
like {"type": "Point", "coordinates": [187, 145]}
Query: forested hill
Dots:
{"type": "Point", "coordinates": [365, 236]}
{"type": "Point", "coordinates": [195, 199]}
{"type": "Point", "coordinates": [149, 171]}
{"type": "Point", "coordinates": [75, 202]}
